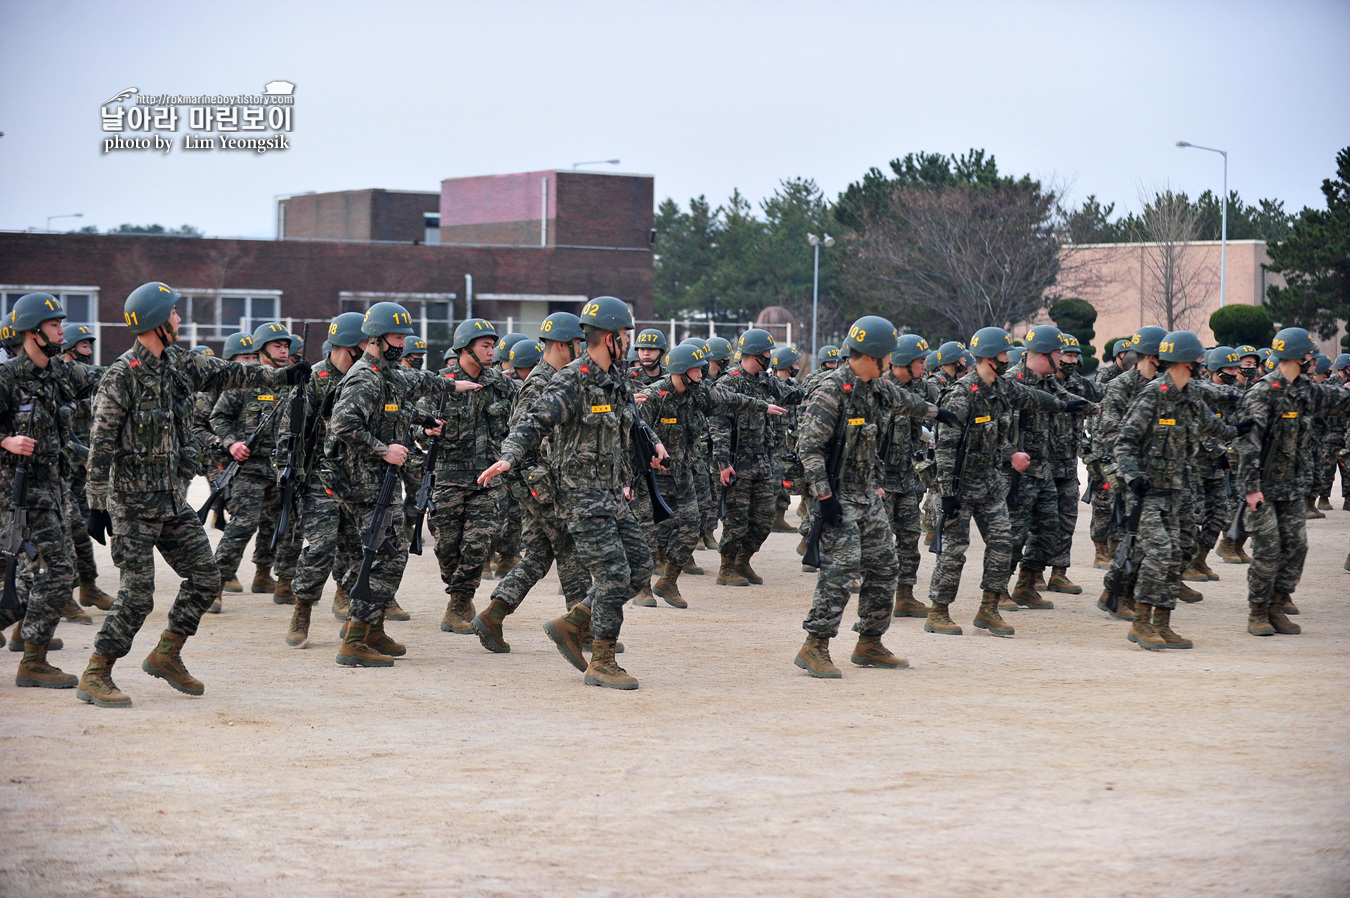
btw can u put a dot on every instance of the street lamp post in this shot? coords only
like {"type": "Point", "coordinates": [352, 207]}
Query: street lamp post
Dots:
{"type": "Point", "coordinates": [51, 218]}
{"type": "Point", "coordinates": [815, 287]}
{"type": "Point", "coordinates": [1223, 234]}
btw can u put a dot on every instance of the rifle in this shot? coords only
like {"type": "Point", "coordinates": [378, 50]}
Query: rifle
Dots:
{"type": "Point", "coordinates": [1123, 562]}
{"type": "Point", "coordinates": [960, 468]}
{"type": "Point", "coordinates": [220, 490]}
{"type": "Point", "coordinates": [834, 460]}
{"type": "Point", "coordinates": [644, 449]}
{"type": "Point", "coordinates": [722, 512]}
{"type": "Point", "coordinates": [425, 503]}
{"type": "Point", "coordinates": [15, 540]}
{"type": "Point", "coordinates": [1015, 487]}
{"type": "Point", "coordinates": [295, 452]}
{"type": "Point", "coordinates": [375, 539]}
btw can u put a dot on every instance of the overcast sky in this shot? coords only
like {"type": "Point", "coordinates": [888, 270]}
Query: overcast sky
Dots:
{"type": "Point", "coordinates": [705, 96]}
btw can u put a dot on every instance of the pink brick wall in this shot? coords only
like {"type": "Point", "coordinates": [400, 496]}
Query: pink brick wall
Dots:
{"type": "Point", "coordinates": [496, 198]}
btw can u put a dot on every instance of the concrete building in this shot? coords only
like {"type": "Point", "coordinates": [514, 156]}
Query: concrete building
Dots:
{"type": "Point", "coordinates": [400, 216]}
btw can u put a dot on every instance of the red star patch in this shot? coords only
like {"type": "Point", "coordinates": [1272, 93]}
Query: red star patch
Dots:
{"type": "Point", "coordinates": [848, 386]}
{"type": "Point", "coordinates": [585, 370]}
{"type": "Point", "coordinates": [323, 373]}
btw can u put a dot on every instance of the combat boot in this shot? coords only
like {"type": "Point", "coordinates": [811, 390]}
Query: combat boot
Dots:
{"type": "Point", "coordinates": [780, 524]}
{"type": "Point", "coordinates": [659, 556]}
{"type": "Point", "coordinates": [604, 670]}
{"type": "Point", "coordinates": [1258, 619]}
{"type": "Point", "coordinates": [35, 671]}
{"type": "Point", "coordinates": [488, 626]}
{"type": "Point", "coordinates": [355, 653]}
{"type": "Point", "coordinates": [1186, 594]}
{"type": "Point", "coordinates": [987, 618]}
{"type": "Point", "coordinates": [1285, 602]}
{"type": "Point", "coordinates": [1101, 560]}
{"type": "Point", "coordinates": [1162, 620]}
{"type": "Point", "coordinates": [567, 633]}
{"type": "Point", "coordinates": [1282, 624]}
{"type": "Point", "coordinates": [73, 613]}
{"type": "Point", "coordinates": [379, 640]}
{"type": "Point", "coordinates": [745, 570]}
{"type": "Point", "coordinates": [1060, 582]}
{"type": "Point", "coordinates": [298, 635]}
{"type": "Point", "coordinates": [728, 575]}
{"type": "Point", "coordinates": [1194, 574]}
{"type": "Point", "coordinates": [1038, 582]}
{"type": "Point", "coordinates": [342, 603]}
{"type": "Point", "coordinates": [1025, 594]}
{"type": "Point", "coordinates": [394, 611]}
{"type": "Point", "coordinates": [458, 612]}
{"type": "Point", "coordinates": [709, 539]}
{"type": "Point", "coordinates": [1142, 632]}
{"type": "Point", "coordinates": [16, 641]}
{"type": "Point", "coordinates": [231, 584]}
{"type": "Point", "coordinates": [92, 596]}
{"type": "Point", "coordinates": [644, 597]}
{"type": "Point", "coordinates": [814, 658]}
{"type": "Point", "coordinates": [905, 603]}
{"type": "Point", "coordinates": [283, 594]}
{"type": "Point", "coordinates": [1228, 551]}
{"type": "Point", "coordinates": [217, 604]}
{"type": "Point", "coordinates": [940, 622]}
{"type": "Point", "coordinates": [869, 652]}
{"type": "Point", "coordinates": [1347, 561]}
{"type": "Point", "coordinates": [1324, 503]}
{"type": "Point", "coordinates": [1005, 602]}
{"type": "Point", "coordinates": [927, 530]}
{"type": "Point", "coordinates": [487, 567]}
{"type": "Point", "coordinates": [262, 580]}
{"type": "Point", "coordinates": [166, 663]}
{"type": "Point", "coordinates": [1311, 505]}
{"type": "Point", "coordinates": [504, 565]}
{"type": "Point", "coordinates": [1201, 563]}
{"type": "Point", "coordinates": [1345, 505]}
{"type": "Point", "coordinates": [668, 587]}
{"type": "Point", "coordinates": [1243, 557]}
{"type": "Point", "coordinates": [691, 567]}
{"type": "Point", "coordinates": [97, 686]}
{"type": "Point", "coordinates": [1120, 612]}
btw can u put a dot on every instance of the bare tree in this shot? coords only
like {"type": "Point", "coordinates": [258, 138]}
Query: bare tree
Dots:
{"type": "Point", "coordinates": [1175, 283]}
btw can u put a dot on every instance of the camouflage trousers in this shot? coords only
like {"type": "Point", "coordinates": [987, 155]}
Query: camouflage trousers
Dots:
{"type": "Point", "coordinates": [1066, 488]}
{"type": "Point", "coordinates": [1216, 510]}
{"type": "Point", "coordinates": [411, 474]}
{"type": "Point", "coordinates": [1190, 517]}
{"type": "Point", "coordinates": [990, 512]}
{"type": "Point", "coordinates": [708, 500]}
{"type": "Point", "coordinates": [678, 533]}
{"type": "Point", "coordinates": [1104, 527]}
{"type": "Point", "coordinates": [45, 582]}
{"type": "Point", "coordinates": [1331, 461]}
{"type": "Point", "coordinates": [903, 515]}
{"type": "Point", "coordinates": [1117, 575]}
{"type": "Point", "coordinates": [609, 543]}
{"type": "Point", "coordinates": [386, 570]}
{"type": "Point", "coordinates": [1162, 556]}
{"type": "Point", "coordinates": [182, 542]}
{"type": "Point", "coordinates": [319, 528]}
{"type": "Point", "coordinates": [254, 504]}
{"type": "Point", "coordinates": [750, 513]}
{"type": "Point", "coordinates": [1038, 501]}
{"type": "Point", "coordinates": [862, 547]}
{"type": "Point", "coordinates": [544, 540]}
{"type": "Point", "coordinates": [464, 523]}
{"type": "Point", "coordinates": [1279, 531]}
{"type": "Point", "coordinates": [510, 522]}
{"type": "Point", "coordinates": [77, 522]}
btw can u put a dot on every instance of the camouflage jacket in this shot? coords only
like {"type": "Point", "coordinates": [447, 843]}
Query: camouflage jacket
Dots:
{"type": "Point", "coordinates": [1271, 457]}
{"type": "Point", "coordinates": [238, 413]}
{"type": "Point", "coordinates": [320, 391]}
{"type": "Point", "coordinates": [1107, 373]}
{"type": "Point", "coordinates": [369, 415]}
{"type": "Point", "coordinates": [1159, 433]}
{"type": "Point", "coordinates": [1212, 451]}
{"type": "Point", "coordinates": [641, 379]}
{"type": "Point", "coordinates": [1119, 394]}
{"type": "Point", "coordinates": [754, 437]}
{"type": "Point", "coordinates": [589, 413]}
{"type": "Point", "coordinates": [866, 411]}
{"type": "Point", "coordinates": [901, 444]}
{"type": "Point", "coordinates": [31, 402]}
{"type": "Point", "coordinates": [677, 418]}
{"type": "Point", "coordinates": [1067, 435]}
{"type": "Point", "coordinates": [985, 410]}
{"type": "Point", "coordinates": [530, 391]}
{"type": "Point", "coordinates": [1034, 430]}
{"type": "Point", "coordinates": [142, 453]}
{"type": "Point", "coordinates": [476, 422]}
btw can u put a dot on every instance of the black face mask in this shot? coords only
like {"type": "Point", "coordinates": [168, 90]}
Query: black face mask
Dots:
{"type": "Point", "coordinates": [1309, 366]}
{"type": "Point", "coordinates": [392, 354]}
{"type": "Point", "coordinates": [1228, 379]}
{"type": "Point", "coordinates": [998, 366]}
{"type": "Point", "coordinates": [415, 363]}
{"type": "Point", "coordinates": [1069, 368]}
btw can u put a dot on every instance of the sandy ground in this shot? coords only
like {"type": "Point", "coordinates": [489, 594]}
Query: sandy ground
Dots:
{"type": "Point", "coordinates": [1063, 761]}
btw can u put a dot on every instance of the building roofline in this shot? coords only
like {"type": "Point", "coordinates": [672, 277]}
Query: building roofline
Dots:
{"type": "Point", "coordinates": [1154, 243]}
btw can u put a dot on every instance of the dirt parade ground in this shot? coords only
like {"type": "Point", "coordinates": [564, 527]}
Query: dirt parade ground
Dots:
{"type": "Point", "coordinates": [1063, 761]}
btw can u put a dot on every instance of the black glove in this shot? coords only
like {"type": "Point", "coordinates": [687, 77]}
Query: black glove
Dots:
{"type": "Point", "coordinates": [1139, 486]}
{"type": "Point", "coordinates": [947, 416]}
{"type": "Point", "coordinates": [1074, 406]}
{"type": "Point", "coordinates": [950, 504]}
{"type": "Point", "coordinates": [298, 373]}
{"type": "Point", "coordinates": [426, 422]}
{"type": "Point", "coordinates": [1245, 427]}
{"type": "Point", "coordinates": [99, 526]}
{"type": "Point", "coordinates": [832, 511]}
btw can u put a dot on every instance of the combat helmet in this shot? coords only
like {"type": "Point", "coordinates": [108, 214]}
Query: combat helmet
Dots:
{"type": "Point", "coordinates": [988, 342]}
{"type": "Point", "coordinates": [239, 344]}
{"type": "Point", "coordinates": [525, 353]}
{"type": "Point", "coordinates": [149, 306]}
{"type": "Point", "coordinates": [561, 327]}
{"type": "Point", "coordinates": [387, 318]}
{"type": "Point", "coordinates": [346, 330]}
{"type": "Point", "coordinates": [1292, 343]}
{"type": "Point", "coordinates": [606, 313]}
{"type": "Point", "coordinates": [908, 348]}
{"type": "Point", "coordinates": [651, 338]}
{"type": "Point", "coordinates": [1145, 340]}
{"type": "Point", "coordinates": [755, 342]}
{"type": "Point", "coordinates": [1043, 338]}
{"type": "Point", "coordinates": [826, 354]}
{"type": "Point", "coordinates": [471, 329]}
{"type": "Point", "coordinates": [683, 358]}
{"type": "Point", "coordinates": [78, 334]}
{"type": "Point", "coordinates": [784, 357]}
{"type": "Point", "coordinates": [503, 351]}
{"type": "Point", "coordinates": [1181, 346]}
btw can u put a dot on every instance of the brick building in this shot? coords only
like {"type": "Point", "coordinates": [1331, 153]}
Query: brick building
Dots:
{"type": "Point", "coordinates": [348, 260]}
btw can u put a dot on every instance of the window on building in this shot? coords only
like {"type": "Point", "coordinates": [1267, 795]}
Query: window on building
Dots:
{"type": "Point", "coordinates": [432, 228]}
{"type": "Point", "coordinates": [81, 303]}
{"type": "Point", "coordinates": [215, 314]}
{"type": "Point", "coordinates": [432, 314]}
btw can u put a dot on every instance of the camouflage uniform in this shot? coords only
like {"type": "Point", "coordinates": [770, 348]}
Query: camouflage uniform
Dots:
{"type": "Point", "coordinates": [1119, 395]}
{"type": "Point", "coordinates": [984, 489]}
{"type": "Point", "coordinates": [467, 515]}
{"type": "Point", "coordinates": [1103, 528]}
{"type": "Point", "coordinates": [1038, 495]}
{"type": "Point", "coordinates": [862, 546]}
{"type": "Point", "coordinates": [318, 524]}
{"type": "Point", "coordinates": [750, 497]}
{"type": "Point", "coordinates": [544, 537]}
{"type": "Point", "coordinates": [254, 491]}
{"type": "Point", "coordinates": [900, 446]}
{"type": "Point", "coordinates": [1156, 441]}
{"type": "Point", "coordinates": [77, 509]}
{"type": "Point", "coordinates": [1066, 439]}
{"type": "Point", "coordinates": [589, 413]}
{"type": "Point", "coordinates": [1272, 461]}
{"type": "Point", "coordinates": [142, 456]}
{"type": "Point", "coordinates": [368, 417]}
{"type": "Point", "coordinates": [1218, 500]}
{"type": "Point", "coordinates": [31, 400]}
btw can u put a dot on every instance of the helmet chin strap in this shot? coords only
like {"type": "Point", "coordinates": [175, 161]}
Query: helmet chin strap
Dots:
{"type": "Point", "coordinates": [165, 335]}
